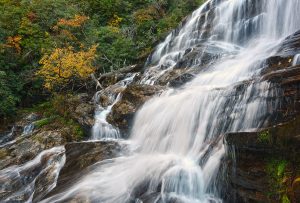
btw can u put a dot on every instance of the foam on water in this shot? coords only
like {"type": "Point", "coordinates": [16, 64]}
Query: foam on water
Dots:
{"type": "Point", "coordinates": [102, 129]}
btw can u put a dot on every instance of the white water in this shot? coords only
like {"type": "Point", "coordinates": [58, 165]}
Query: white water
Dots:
{"type": "Point", "coordinates": [102, 129]}
{"type": "Point", "coordinates": [296, 60]}
{"type": "Point", "coordinates": [28, 129]}
{"type": "Point", "coordinates": [24, 179]}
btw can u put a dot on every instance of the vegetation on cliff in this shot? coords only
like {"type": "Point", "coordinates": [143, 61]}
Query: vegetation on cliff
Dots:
{"type": "Point", "coordinates": [61, 42]}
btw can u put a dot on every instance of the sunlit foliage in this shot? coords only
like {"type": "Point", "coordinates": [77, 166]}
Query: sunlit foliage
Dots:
{"type": "Point", "coordinates": [63, 65]}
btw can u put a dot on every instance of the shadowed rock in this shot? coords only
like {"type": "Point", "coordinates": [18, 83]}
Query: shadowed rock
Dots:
{"type": "Point", "coordinates": [80, 156]}
{"type": "Point", "coordinates": [134, 96]}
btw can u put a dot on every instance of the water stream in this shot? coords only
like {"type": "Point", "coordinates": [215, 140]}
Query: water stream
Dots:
{"type": "Point", "coordinates": [296, 60]}
{"type": "Point", "coordinates": [102, 130]}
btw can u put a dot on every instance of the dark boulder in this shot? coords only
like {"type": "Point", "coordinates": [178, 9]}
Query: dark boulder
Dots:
{"type": "Point", "coordinates": [81, 109]}
{"type": "Point", "coordinates": [133, 97]}
{"type": "Point", "coordinates": [79, 157]}
{"type": "Point", "coordinates": [113, 77]}
{"type": "Point", "coordinates": [262, 166]}
{"type": "Point", "coordinates": [291, 45]}
{"type": "Point", "coordinates": [181, 80]}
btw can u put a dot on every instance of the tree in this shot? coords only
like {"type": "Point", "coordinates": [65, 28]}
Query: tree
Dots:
{"type": "Point", "coordinates": [65, 65]}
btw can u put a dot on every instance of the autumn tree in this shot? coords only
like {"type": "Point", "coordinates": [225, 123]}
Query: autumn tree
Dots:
{"type": "Point", "coordinates": [64, 66]}
{"type": "Point", "coordinates": [126, 31]}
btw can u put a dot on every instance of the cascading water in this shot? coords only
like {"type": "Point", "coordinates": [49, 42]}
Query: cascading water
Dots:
{"type": "Point", "coordinates": [102, 129]}
{"type": "Point", "coordinates": [25, 179]}
{"type": "Point", "coordinates": [178, 134]}
{"type": "Point", "coordinates": [8, 139]}
{"type": "Point", "coordinates": [296, 60]}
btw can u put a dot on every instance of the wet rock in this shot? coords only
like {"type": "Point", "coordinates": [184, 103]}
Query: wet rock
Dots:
{"type": "Point", "coordinates": [250, 154]}
{"type": "Point", "coordinates": [26, 148]}
{"type": "Point", "coordinates": [171, 75]}
{"type": "Point", "coordinates": [8, 136]}
{"type": "Point", "coordinates": [204, 54]}
{"type": "Point", "coordinates": [249, 157]}
{"type": "Point", "coordinates": [283, 58]}
{"type": "Point", "coordinates": [81, 156]}
{"type": "Point", "coordinates": [113, 77]}
{"type": "Point", "coordinates": [193, 62]}
{"type": "Point", "coordinates": [134, 96]}
{"type": "Point", "coordinates": [81, 109]}
{"type": "Point", "coordinates": [291, 45]}
{"type": "Point", "coordinates": [38, 176]}
{"type": "Point", "coordinates": [107, 96]}
{"type": "Point", "coordinates": [278, 62]}
{"type": "Point", "coordinates": [181, 80]}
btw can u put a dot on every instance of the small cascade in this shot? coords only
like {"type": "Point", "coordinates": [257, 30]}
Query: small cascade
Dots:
{"type": "Point", "coordinates": [10, 138]}
{"type": "Point", "coordinates": [28, 129]}
{"type": "Point", "coordinates": [296, 60]}
{"type": "Point", "coordinates": [234, 22]}
{"type": "Point", "coordinates": [33, 180]}
{"type": "Point", "coordinates": [102, 129]}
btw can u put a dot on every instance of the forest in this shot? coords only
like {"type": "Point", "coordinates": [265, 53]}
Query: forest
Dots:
{"type": "Point", "coordinates": [51, 47]}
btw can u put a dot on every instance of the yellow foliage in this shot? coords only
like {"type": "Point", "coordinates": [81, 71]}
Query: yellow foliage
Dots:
{"type": "Point", "coordinates": [115, 21]}
{"type": "Point", "coordinates": [146, 14]}
{"type": "Point", "coordinates": [14, 42]}
{"type": "Point", "coordinates": [77, 21]}
{"type": "Point", "coordinates": [64, 64]}
{"type": "Point", "coordinates": [68, 34]}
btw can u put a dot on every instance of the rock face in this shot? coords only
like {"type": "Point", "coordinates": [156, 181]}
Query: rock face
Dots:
{"type": "Point", "coordinates": [26, 148]}
{"type": "Point", "coordinates": [38, 176]}
{"type": "Point", "coordinates": [79, 157]}
{"type": "Point", "coordinates": [263, 166]}
{"type": "Point", "coordinates": [133, 97]}
{"type": "Point", "coordinates": [82, 111]}
{"type": "Point", "coordinates": [193, 62]}
{"type": "Point", "coordinates": [112, 78]}
{"type": "Point", "coordinates": [53, 170]}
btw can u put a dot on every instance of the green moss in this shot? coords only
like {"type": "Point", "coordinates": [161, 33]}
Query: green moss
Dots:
{"type": "Point", "coordinates": [264, 137]}
{"type": "Point", "coordinates": [57, 115]}
{"type": "Point", "coordinates": [43, 122]}
{"type": "Point", "coordinates": [79, 132]}
{"type": "Point", "coordinates": [3, 153]}
{"type": "Point", "coordinates": [285, 199]}
{"type": "Point", "coordinates": [276, 169]}
{"type": "Point", "coordinates": [75, 129]}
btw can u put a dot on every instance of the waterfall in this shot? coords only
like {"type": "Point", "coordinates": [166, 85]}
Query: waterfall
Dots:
{"type": "Point", "coordinates": [296, 60]}
{"type": "Point", "coordinates": [102, 129]}
{"type": "Point", "coordinates": [177, 136]}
